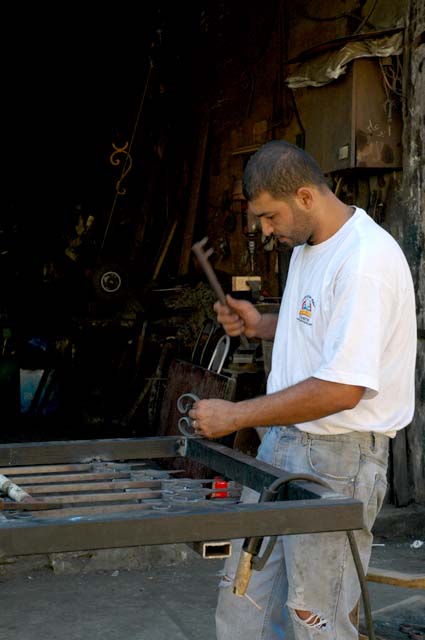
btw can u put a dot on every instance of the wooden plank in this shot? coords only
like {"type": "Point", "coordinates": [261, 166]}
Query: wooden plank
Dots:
{"type": "Point", "coordinates": [397, 578]}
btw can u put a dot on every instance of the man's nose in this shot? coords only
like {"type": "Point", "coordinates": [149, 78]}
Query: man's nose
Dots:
{"type": "Point", "coordinates": [266, 227]}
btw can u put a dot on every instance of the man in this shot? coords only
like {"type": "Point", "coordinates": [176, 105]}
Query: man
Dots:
{"type": "Point", "coordinates": [341, 385]}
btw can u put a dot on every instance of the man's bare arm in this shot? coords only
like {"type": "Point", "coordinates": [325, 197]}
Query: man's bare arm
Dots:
{"type": "Point", "coordinates": [308, 400]}
{"type": "Point", "coordinates": [240, 316]}
{"type": "Point", "coordinates": [268, 326]}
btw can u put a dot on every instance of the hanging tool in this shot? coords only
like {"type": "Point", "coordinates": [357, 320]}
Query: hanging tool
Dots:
{"type": "Point", "coordinates": [247, 350]}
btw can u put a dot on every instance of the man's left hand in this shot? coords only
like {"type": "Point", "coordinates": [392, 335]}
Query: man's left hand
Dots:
{"type": "Point", "coordinates": [213, 418]}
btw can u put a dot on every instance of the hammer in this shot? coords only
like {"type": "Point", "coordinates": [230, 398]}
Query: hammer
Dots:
{"type": "Point", "coordinates": [198, 250]}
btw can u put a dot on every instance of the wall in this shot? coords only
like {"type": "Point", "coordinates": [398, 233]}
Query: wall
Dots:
{"type": "Point", "coordinates": [251, 104]}
{"type": "Point", "coordinates": [413, 226]}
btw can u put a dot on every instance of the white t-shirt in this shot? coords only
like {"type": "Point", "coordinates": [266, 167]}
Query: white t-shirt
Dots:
{"type": "Point", "coordinates": [348, 316]}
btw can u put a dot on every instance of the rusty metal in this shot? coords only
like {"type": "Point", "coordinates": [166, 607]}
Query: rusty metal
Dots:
{"type": "Point", "coordinates": [213, 550]}
{"type": "Point", "coordinates": [203, 257]}
{"type": "Point", "coordinates": [359, 132]}
{"type": "Point", "coordinates": [30, 505]}
{"type": "Point", "coordinates": [130, 520]}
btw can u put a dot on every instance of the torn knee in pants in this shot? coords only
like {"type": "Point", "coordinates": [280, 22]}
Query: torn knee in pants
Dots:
{"type": "Point", "coordinates": [309, 619]}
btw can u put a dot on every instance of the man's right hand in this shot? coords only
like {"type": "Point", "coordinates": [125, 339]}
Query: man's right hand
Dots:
{"type": "Point", "coordinates": [239, 316]}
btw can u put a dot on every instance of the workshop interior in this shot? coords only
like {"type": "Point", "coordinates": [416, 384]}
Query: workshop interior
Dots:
{"type": "Point", "coordinates": [123, 221]}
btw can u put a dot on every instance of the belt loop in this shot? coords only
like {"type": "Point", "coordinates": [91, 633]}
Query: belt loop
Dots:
{"type": "Point", "coordinates": [372, 441]}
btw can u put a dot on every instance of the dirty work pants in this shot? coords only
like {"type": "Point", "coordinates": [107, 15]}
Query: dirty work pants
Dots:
{"type": "Point", "coordinates": [309, 572]}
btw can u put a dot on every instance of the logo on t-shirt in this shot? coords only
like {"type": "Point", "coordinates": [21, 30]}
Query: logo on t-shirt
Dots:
{"type": "Point", "coordinates": [306, 311]}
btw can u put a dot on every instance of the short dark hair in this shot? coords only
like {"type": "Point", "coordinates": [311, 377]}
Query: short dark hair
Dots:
{"type": "Point", "coordinates": [280, 168]}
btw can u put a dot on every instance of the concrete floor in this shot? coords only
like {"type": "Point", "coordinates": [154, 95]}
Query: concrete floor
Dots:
{"type": "Point", "coordinates": [168, 603]}
{"type": "Point", "coordinates": [157, 603]}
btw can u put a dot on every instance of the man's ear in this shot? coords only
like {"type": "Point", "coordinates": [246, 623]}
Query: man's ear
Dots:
{"type": "Point", "coordinates": [305, 197]}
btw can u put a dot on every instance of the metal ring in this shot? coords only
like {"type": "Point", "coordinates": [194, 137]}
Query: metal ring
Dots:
{"type": "Point", "coordinates": [185, 407]}
{"type": "Point", "coordinates": [185, 426]}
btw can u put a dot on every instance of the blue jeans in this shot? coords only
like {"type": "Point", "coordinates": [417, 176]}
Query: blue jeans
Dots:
{"type": "Point", "coordinates": [308, 572]}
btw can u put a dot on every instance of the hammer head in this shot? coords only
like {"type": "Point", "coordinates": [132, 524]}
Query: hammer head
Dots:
{"type": "Point", "coordinates": [197, 248]}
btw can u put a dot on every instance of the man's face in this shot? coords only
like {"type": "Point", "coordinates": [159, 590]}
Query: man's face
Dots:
{"type": "Point", "coordinates": [290, 224]}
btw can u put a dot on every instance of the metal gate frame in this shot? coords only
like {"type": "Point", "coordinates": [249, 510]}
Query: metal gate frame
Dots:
{"type": "Point", "coordinates": [302, 507]}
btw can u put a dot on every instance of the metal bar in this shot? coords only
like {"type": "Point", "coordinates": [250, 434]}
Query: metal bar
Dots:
{"type": "Point", "coordinates": [207, 522]}
{"type": "Point", "coordinates": [78, 477]}
{"type": "Point", "coordinates": [310, 509]}
{"type": "Point", "coordinates": [48, 489]}
{"type": "Point", "coordinates": [26, 505]}
{"type": "Point", "coordinates": [248, 471]}
{"type": "Point", "coordinates": [73, 468]}
{"type": "Point", "coordinates": [209, 550]}
{"type": "Point", "coordinates": [114, 485]}
{"type": "Point", "coordinates": [71, 514]}
{"type": "Point", "coordinates": [87, 498]}
{"type": "Point", "coordinates": [89, 450]}
{"type": "Point", "coordinates": [48, 468]}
